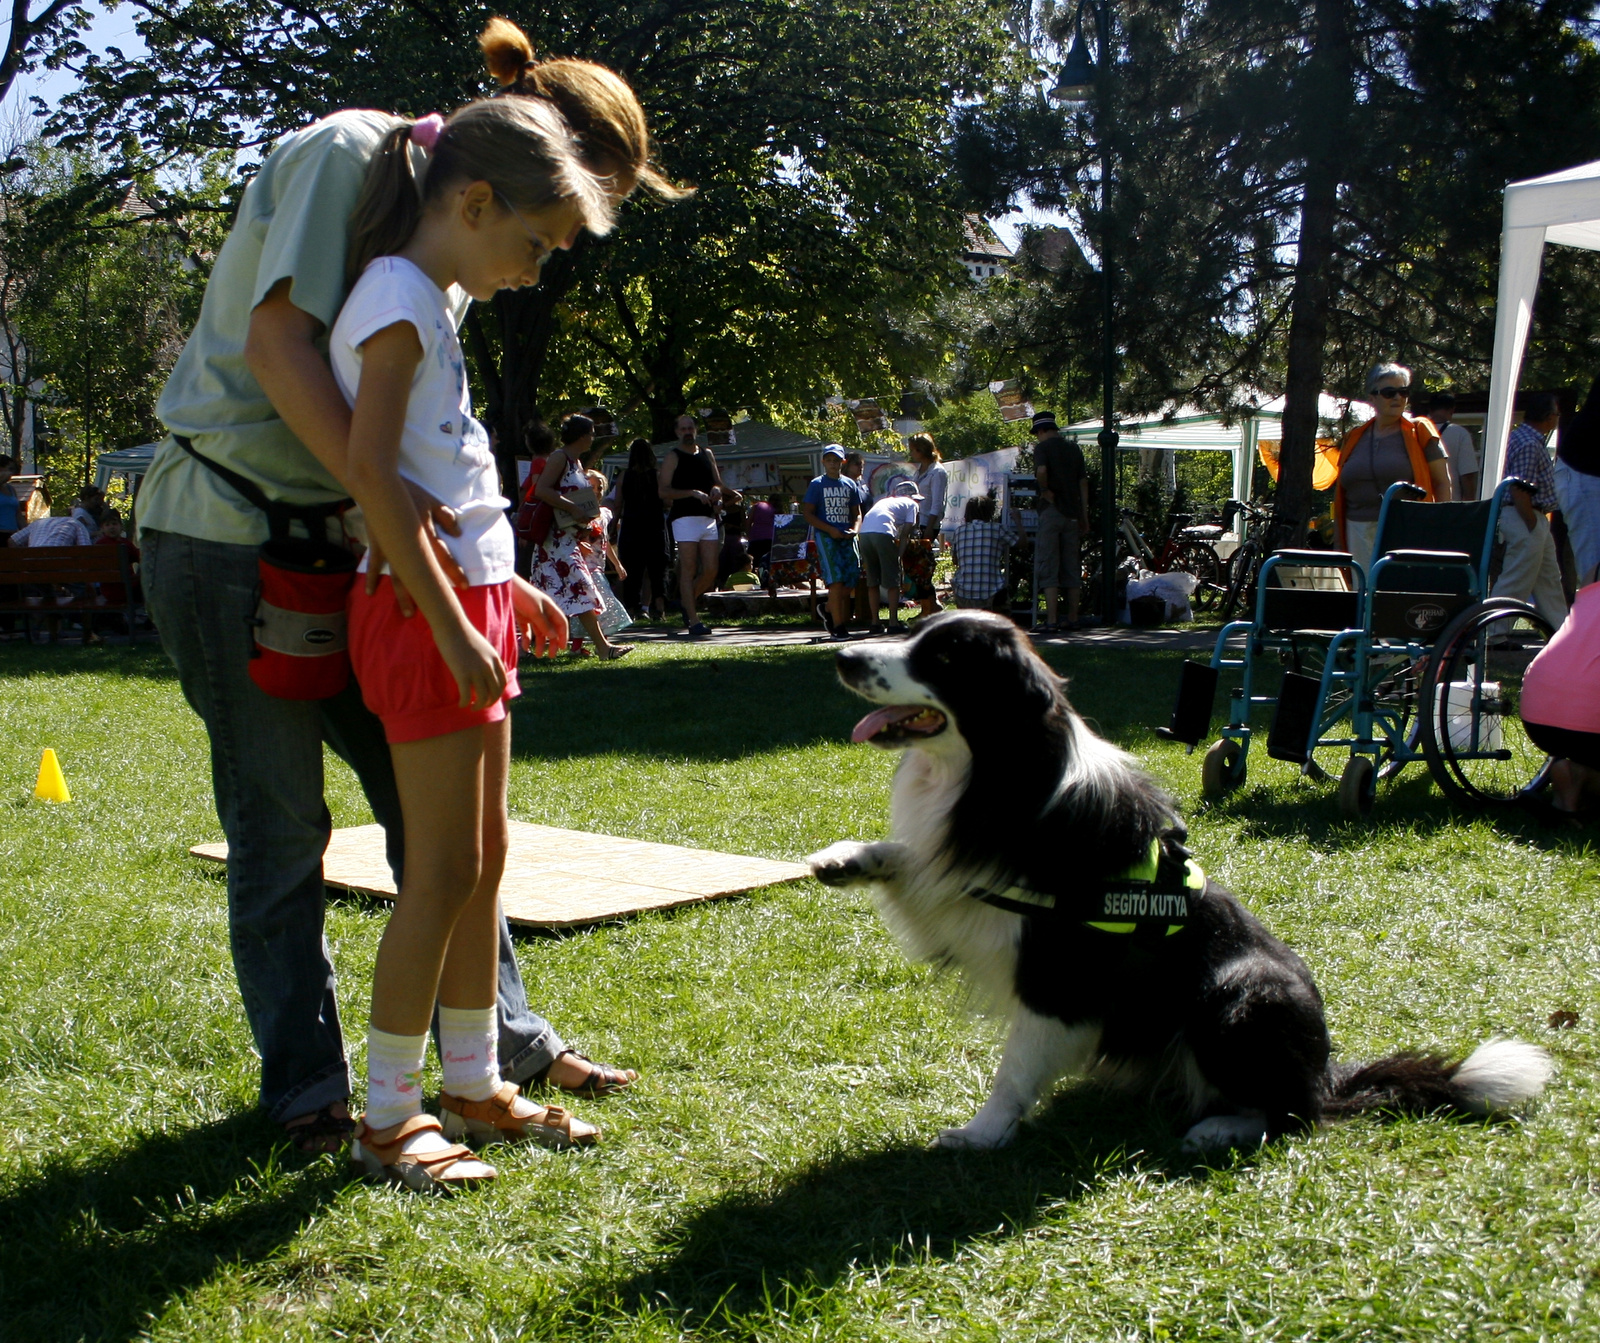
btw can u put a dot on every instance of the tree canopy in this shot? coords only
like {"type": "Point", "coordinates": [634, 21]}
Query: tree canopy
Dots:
{"type": "Point", "coordinates": [1304, 186]}
{"type": "Point", "coordinates": [818, 137]}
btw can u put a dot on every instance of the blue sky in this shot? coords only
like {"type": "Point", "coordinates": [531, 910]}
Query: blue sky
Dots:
{"type": "Point", "coordinates": [107, 29]}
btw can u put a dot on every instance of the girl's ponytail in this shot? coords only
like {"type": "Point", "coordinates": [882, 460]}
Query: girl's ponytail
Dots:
{"type": "Point", "coordinates": [390, 204]}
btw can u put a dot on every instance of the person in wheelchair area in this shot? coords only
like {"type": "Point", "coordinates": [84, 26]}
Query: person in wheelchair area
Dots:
{"type": "Point", "coordinates": [1530, 570]}
{"type": "Point", "coordinates": [1577, 477]}
{"type": "Point", "coordinates": [1390, 447]}
{"type": "Point", "coordinates": [1561, 704]}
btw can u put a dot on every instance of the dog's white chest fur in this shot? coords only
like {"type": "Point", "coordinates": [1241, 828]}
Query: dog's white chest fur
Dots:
{"type": "Point", "coordinates": [925, 903]}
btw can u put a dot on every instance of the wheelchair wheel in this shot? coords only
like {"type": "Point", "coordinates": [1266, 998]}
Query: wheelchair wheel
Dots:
{"type": "Point", "coordinates": [1471, 698]}
{"type": "Point", "coordinates": [1358, 788]}
{"type": "Point", "coordinates": [1396, 696]}
{"type": "Point", "coordinates": [1224, 768]}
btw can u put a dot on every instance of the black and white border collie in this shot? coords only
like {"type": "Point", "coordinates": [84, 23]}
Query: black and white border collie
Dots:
{"type": "Point", "coordinates": [1004, 787]}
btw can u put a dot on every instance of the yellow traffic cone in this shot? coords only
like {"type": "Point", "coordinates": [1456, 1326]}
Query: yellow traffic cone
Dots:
{"type": "Point", "coordinates": [52, 785]}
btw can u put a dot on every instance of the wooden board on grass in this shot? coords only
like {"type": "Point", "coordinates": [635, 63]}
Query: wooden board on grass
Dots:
{"type": "Point", "coordinates": [558, 878]}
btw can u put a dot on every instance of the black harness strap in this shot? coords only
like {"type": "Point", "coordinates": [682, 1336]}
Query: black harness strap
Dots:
{"type": "Point", "coordinates": [279, 515]}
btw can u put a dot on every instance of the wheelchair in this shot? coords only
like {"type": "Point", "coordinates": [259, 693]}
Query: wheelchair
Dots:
{"type": "Point", "coordinates": [1402, 661]}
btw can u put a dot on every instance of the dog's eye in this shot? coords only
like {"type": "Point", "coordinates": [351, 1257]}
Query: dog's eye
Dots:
{"type": "Point", "coordinates": [942, 657]}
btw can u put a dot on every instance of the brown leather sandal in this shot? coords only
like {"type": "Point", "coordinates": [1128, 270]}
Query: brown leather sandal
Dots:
{"type": "Point", "coordinates": [603, 1079]}
{"type": "Point", "coordinates": [496, 1120]}
{"type": "Point", "coordinates": [319, 1132]}
{"type": "Point", "coordinates": [453, 1167]}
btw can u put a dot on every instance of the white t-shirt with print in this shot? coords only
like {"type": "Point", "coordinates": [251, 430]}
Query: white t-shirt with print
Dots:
{"type": "Point", "coordinates": [890, 516]}
{"type": "Point", "coordinates": [442, 448]}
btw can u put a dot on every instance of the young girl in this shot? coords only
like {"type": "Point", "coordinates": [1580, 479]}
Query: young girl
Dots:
{"type": "Point", "coordinates": [494, 190]}
{"type": "Point", "coordinates": [557, 565]}
{"type": "Point", "coordinates": [594, 544]}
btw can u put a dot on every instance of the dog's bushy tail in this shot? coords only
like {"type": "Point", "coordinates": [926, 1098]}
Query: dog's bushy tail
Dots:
{"type": "Point", "coordinates": [1495, 1078]}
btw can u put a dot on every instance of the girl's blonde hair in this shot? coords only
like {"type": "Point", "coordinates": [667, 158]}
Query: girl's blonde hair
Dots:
{"type": "Point", "coordinates": [613, 139]}
{"type": "Point", "coordinates": [519, 146]}
{"type": "Point", "coordinates": [926, 444]}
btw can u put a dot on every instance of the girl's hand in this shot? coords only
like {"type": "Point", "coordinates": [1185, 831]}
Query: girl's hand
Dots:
{"type": "Point", "coordinates": [479, 673]}
{"type": "Point", "coordinates": [436, 518]}
{"type": "Point", "coordinates": [541, 624]}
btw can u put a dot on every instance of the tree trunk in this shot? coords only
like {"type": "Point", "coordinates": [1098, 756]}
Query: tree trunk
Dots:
{"type": "Point", "coordinates": [1324, 113]}
{"type": "Point", "coordinates": [526, 322]}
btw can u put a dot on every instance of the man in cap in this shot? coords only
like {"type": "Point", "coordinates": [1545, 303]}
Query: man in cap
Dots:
{"type": "Point", "coordinates": [888, 525]}
{"type": "Point", "coordinates": [832, 505]}
{"type": "Point", "coordinates": [1063, 483]}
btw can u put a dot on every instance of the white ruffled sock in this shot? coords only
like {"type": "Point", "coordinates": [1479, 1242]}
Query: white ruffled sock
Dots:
{"type": "Point", "coordinates": [469, 1039]}
{"type": "Point", "coordinates": [394, 1077]}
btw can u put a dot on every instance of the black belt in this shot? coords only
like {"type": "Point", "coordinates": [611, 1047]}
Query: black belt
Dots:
{"type": "Point", "coordinates": [279, 515]}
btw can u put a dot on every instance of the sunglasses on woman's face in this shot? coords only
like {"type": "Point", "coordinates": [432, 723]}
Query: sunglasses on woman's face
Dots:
{"type": "Point", "coordinates": [1394, 391]}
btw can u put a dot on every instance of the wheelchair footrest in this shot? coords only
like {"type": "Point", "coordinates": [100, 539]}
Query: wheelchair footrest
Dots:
{"type": "Point", "coordinates": [1191, 716]}
{"type": "Point", "coordinates": [1295, 718]}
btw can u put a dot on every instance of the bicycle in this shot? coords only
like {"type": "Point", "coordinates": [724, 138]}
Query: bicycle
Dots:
{"type": "Point", "coordinates": [1244, 565]}
{"type": "Point", "coordinates": [1187, 549]}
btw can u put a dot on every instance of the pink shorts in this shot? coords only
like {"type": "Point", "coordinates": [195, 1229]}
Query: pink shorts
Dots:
{"type": "Point", "coordinates": [402, 677]}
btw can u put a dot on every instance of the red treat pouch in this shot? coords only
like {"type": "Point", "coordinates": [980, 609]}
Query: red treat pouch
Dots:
{"type": "Point", "coordinates": [302, 641]}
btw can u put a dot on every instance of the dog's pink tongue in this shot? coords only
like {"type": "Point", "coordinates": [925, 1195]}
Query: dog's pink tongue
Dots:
{"type": "Point", "coordinates": [878, 719]}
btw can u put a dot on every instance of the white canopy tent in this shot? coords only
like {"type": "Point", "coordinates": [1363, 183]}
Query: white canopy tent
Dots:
{"type": "Point", "coordinates": [1561, 208]}
{"type": "Point", "coordinates": [1188, 429]}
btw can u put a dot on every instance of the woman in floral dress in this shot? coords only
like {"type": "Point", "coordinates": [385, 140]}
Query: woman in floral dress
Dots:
{"type": "Point", "coordinates": [559, 570]}
{"type": "Point", "coordinates": [594, 543]}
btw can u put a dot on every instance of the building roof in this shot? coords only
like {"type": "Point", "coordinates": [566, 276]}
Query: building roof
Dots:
{"type": "Point", "coordinates": [1051, 247]}
{"type": "Point", "coordinates": [982, 243]}
{"type": "Point", "coordinates": [752, 438]}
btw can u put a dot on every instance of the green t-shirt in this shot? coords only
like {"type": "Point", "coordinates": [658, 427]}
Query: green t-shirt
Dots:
{"type": "Point", "coordinates": [293, 224]}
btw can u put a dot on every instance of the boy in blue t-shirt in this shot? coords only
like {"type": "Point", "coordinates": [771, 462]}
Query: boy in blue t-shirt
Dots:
{"type": "Point", "coordinates": [832, 505]}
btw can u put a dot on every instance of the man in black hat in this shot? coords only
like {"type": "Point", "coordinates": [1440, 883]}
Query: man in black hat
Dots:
{"type": "Point", "coordinates": [1063, 519]}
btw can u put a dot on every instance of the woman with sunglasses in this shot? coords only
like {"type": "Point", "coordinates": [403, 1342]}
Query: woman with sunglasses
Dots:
{"type": "Point", "coordinates": [1391, 446]}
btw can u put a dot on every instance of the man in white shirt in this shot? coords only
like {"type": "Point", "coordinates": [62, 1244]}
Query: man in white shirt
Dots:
{"type": "Point", "coordinates": [1460, 452]}
{"type": "Point", "coordinates": [888, 525]}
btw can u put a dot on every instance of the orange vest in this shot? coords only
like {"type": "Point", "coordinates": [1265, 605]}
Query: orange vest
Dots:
{"type": "Point", "coordinates": [1411, 433]}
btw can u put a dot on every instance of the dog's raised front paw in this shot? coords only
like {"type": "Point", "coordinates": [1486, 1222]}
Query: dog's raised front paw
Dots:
{"type": "Point", "coordinates": [971, 1138]}
{"type": "Point", "coordinates": [842, 863]}
{"type": "Point", "coordinates": [1220, 1132]}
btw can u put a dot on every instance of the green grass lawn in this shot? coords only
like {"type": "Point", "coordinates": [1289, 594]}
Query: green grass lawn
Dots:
{"type": "Point", "coordinates": [767, 1176]}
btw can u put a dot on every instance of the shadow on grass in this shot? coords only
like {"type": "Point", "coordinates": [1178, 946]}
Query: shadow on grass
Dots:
{"type": "Point", "coordinates": [146, 661]}
{"type": "Point", "coordinates": [714, 708]}
{"type": "Point", "coordinates": [851, 1211]}
{"type": "Point", "coordinates": [93, 1249]}
{"type": "Point", "coordinates": [1410, 805]}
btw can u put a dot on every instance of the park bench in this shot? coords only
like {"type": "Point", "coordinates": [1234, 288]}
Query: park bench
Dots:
{"type": "Point", "coordinates": [44, 567]}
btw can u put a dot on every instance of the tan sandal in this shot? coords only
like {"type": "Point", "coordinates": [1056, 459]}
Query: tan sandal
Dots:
{"type": "Point", "coordinates": [453, 1167]}
{"type": "Point", "coordinates": [496, 1120]}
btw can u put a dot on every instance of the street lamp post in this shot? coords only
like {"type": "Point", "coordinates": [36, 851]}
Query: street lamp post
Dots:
{"type": "Point", "coordinates": [1085, 80]}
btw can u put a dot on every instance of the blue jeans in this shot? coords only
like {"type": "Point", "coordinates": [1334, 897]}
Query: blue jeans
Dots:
{"type": "Point", "coordinates": [266, 772]}
{"type": "Point", "coordinates": [1579, 494]}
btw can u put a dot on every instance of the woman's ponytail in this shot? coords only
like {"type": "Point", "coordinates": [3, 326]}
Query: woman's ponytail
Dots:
{"type": "Point", "coordinates": [390, 204]}
{"type": "Point", "coordinates": [597, 103]}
